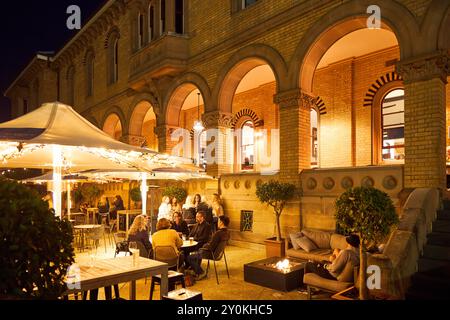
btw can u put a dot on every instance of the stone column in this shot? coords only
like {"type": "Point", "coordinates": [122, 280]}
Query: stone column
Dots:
{"type": "Point", "coordinates": [164, 134]}
{"type": "Point", "coordinates": [295, 133]}
{"type": "Point", "coordinates": [425, 120]}
{"type": "Point", "coordinates": [219, 154]}
{"type": "Point", "coordinates": [170, 16]}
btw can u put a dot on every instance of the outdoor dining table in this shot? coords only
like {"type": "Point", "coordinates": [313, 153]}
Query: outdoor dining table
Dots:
{"type": "Point", "coordinates": [88, 276]}
{"type": "Point", "coordinates": [84, 228]}
{"type": "Point", "coordinates": [188, 244]}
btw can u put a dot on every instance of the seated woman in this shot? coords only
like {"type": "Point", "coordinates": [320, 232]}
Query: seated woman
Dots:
{"type": "Point", "coordinates": [117, 205]}
{"type": "Point", "coordinates": [179, 225]}
{"type": "Point", "coordinates": [174, 208]}
{"type": "Point", "coordinates": [166, 237]}
{"type": "Point", "coordinates": [164, 209]}
{"type": "Point", "coordinates": [139, 233]}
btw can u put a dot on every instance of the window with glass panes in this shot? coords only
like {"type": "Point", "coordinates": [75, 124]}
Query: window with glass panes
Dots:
{"type": "Point", "coordinates": [247, 146]}
{"type": "Point", "coordinates": [393, 125]}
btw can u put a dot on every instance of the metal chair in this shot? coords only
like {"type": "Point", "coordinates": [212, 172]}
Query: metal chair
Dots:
{"type": "Point", "coordinates": [95, 235]}
{"type": "Point", "coordinates": [168, 255]}
{"type": "Point", "coordinates": [217, 255]}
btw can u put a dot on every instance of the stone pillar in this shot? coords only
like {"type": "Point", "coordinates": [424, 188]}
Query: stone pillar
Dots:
{"type": "Point", "coordinates": [425, 120]}
{"type": "Point", "coordinates": [164, 134]}
{"type": "Point", "coordinates": [295, 133]}
{"type": "Point", "coordinates": [133, 140]}
{"type": "Point", "coordinates": [219, 154]}
{"type": "Point", "coordinates": [170, 16]}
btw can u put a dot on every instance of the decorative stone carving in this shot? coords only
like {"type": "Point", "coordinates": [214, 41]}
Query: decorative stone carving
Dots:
{"type": "Point", "coordinates": [162, 131]}
{"type": "Point", "coordinates": [389, 182]}
{"type": "Point", "coordinates": [259, 182]}
{"type": "Point", "coordinates": [237, 184]}
{"type": "Point", "coordinates": [217, 119]}
{"type": "Point", "coordinates": [367, 182]}
{"type": "Point", "coordinates": [311, 183]}
{"type": "Point", "coordinates": [328, 183]}
{"type": "Point", "coordinates": [294, 98]}
{"type": "Point", "coordinates": [347, 183]}
{"type": "Point", "coordinates": [226, 184]}
{"type": "Point", "coordinates": [435, 65]}
{"type": "Point", "coordinates": [248, 184]}
{"type": "Point", "coordinates": [135, 140]}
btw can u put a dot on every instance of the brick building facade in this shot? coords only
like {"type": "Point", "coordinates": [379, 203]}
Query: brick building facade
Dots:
{"type": "Point", "coordinates": [135, 68]}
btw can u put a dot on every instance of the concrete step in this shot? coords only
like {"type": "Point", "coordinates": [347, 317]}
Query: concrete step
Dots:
{"type": "Point", "coordinates": [430, 282]}
{"type": "Point", "coordinates": [437, 252]}
{"type": "Point", "coordinates": [438, 239]}
{"type": "Point", "coordinates": [432, 266]}
{"type": "Point", "coordinates": [441, 226]}
{"type": "Point", "coordinates": [446, 204]}
{"type": "Point", "coordinates": [443, 215]}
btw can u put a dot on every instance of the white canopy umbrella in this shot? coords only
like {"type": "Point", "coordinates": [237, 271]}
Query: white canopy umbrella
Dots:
{"type": "Point", "coordinates": [56, 137]}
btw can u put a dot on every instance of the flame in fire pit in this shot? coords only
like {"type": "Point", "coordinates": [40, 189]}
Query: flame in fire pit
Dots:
{"type": "Point", "coordinates": [283, 265]}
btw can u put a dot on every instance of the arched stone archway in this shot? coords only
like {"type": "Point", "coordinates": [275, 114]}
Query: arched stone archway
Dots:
{"type": "Point", "coordinates": [177, 94]}
{"type": "Point", "coordinates": [243, 61]}
{"type": "Point", "coordinates": [142, 125]}
{"type": "Point", "coordinates": [341, 21]}
{"type": "Point", "coordinates": [112, 126]}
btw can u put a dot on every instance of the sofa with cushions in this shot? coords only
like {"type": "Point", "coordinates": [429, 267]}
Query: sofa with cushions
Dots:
{"type": "Point", "coordinates": [314, 245]}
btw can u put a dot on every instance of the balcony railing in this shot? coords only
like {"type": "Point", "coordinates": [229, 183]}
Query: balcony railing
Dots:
{"type": "Point", "coordinates": [165, 56]}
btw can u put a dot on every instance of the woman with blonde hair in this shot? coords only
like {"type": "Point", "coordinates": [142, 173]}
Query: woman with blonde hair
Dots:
{"type": "Point", "coordinates": [216, 204]}
{"type": "Point", "coordinates": [164, 209]}
{"type": "Point", "coordinates": [139, 232]}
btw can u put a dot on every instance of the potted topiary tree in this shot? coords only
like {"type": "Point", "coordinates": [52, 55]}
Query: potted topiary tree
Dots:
{"type": "Point", "coordinates": [136, 197]}
{"type": "Point", "coordinates": [275, 194]}
{"type": "Point", "coordinates": [36, 247]}
{"type": "Point", "coordinates": [176, 192]}
{"type": "Point", "coordinates": [369, 213]}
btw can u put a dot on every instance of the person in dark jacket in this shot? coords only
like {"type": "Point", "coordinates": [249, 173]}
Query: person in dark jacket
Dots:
{"type": "Point", "coordinates": [118, 205]}
{"type": "Point", "coordinates": [138, 233]}
{"type": "Point", "coordinates": [201, 232]}
{"type": "Point", "coordinates": [195, 258]}
{"type": "Point", "coordinates": [179, 224]}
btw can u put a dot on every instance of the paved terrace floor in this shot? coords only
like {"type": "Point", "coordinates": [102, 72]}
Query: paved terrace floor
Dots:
{"type": "Point", "coordinates": [234, 288]}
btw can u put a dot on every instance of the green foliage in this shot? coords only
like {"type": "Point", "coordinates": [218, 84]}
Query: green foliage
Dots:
{"type": "Point", "coordinates": [36, 247]}
{"type": "Point", "coordinates": [276, 194]}
{"type": "Point", "coordinates": [78, 196]}
{"type": "Point", "coordinates": [91, 193]}
{"type": "Point", "coordinates": [135, 195]}
{"type": "Point", "coordinates": [179, 193]}
{"type": "Point", "coordinates": [366, 211]}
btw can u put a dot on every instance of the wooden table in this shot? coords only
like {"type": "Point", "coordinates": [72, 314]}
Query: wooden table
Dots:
{"type": "Point", "coordinates": [93, 211]}
{"type": "Point", "coordinates": [187, 244]}
{"type": "Point", "coordinates": [106, 273]}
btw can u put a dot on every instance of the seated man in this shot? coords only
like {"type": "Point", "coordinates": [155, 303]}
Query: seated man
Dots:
{"type": "Point", "coordinates": [338, 260]}
{"type": "Point", "coordinates": [201, 232]}
{"type": "Point", "coordinates": [195, 258]}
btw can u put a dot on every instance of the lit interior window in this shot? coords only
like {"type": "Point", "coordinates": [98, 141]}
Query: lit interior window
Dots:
{"type": "Point", "coordinates": [314, 139]}
{"type": "Point", "coordinates": [393, 124]}
{"type": "Point", "coordinates": [247, 147]}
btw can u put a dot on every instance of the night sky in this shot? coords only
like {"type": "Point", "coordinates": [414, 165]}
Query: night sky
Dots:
{"type": "Point", "coordinates": [29, 26]}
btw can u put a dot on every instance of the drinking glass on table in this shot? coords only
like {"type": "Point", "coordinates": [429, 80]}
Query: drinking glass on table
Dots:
{"type": "Point", "coordinates": [132, 246]}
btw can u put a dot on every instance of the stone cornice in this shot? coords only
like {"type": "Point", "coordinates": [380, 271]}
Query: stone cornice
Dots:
{"type": "Point", "coordinates": [431, 66]}
{"type": "Point", "coordinates": [217, 119]}
{"type": "Point", "coordinates": [293, 99]}
{"type": "Point", "coordinates": [164, 130]}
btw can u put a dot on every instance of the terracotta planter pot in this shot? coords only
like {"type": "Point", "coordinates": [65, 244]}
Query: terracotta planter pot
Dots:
{"type": "Point", "coordinates": [275, 248]}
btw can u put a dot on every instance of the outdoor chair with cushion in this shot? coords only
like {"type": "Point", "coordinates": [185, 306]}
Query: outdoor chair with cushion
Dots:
{"type": "Point", "coordinates": [217, 255]}
{"type": "Point", "coordinates": [345, 280]}
{"type": "Point", "coordinates": [168, 255]}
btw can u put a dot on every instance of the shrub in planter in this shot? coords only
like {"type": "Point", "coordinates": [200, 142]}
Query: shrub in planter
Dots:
{"type": "Point", "coordinates": [369, 213]}
{"type": "Point", "coordinates": [36, 247]}
{"type": "Point", "coordinates": [176, 192]}
{"type": "Point", "coordinates": [135, 196]}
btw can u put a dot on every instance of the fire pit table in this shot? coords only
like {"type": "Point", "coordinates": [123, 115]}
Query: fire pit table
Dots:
{"type": "Point", "coordinates": [276, 273]}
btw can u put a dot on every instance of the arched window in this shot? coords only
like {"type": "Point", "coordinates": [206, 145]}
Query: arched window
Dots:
{"type": "Point", "coordinates": [112, 46]}
{"type": "Point", "coordinates": [89, 74]}
{"type": "Point", "coordinates": [140, 36]}
{"type": "Point", "coordinates": [393, 125]}
{"type": "Point", "coordinates": [202, 145]}
{"type": "Point", "coordinates": [179, 16]}
{"type": "Point", "coordinates": [247, 146]}
{"type": "Point", "coordinates": [151, 23]}
{"type": "Point", "coordinates": [162, 21]}
{"type": "Point", "coordinates": [314, 138]}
